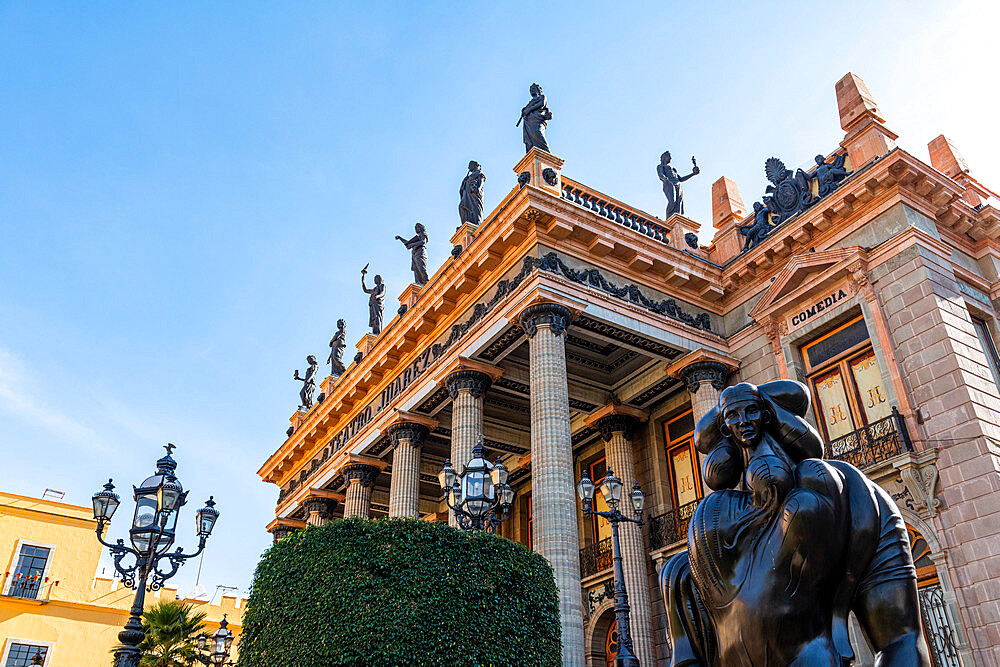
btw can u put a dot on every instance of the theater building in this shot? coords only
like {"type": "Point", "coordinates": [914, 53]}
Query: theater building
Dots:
{"type": "Point", "coordinates": [576, 332]}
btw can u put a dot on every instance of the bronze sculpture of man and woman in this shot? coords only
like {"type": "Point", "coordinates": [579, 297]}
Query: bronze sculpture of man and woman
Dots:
{"type": "Point", "coordinates": [786, 547]}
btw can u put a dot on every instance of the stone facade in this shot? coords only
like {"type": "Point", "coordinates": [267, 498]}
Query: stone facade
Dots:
{"type": "Point", "coordinates": [574, 332]}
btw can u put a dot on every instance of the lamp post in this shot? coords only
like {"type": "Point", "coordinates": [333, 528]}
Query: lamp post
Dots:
{"type": "Point", "coordinates": [611, 489]}
{"type": "Point", "coordinates": [480, 496]}
{"type": "Point", "coordinates": [37, 659]}
{"type": "Point", "coordinates": [222, 641]}
{"type": "Point", "coordinates": [158, 501]}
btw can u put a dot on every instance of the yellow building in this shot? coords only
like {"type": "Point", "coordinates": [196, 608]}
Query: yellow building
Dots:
{"type": "Point", "coordinates": [52, 602]}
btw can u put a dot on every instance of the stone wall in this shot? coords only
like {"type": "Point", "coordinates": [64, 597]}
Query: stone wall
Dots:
{"type": "Point", "coordinates": [948, 379]}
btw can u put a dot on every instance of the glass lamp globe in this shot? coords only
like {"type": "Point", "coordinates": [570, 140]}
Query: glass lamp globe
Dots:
{"type": "Point", "coordinates": [206, 517]}
{"type": "Point", "coordinates": [586, 487]}
{"type": "Point", "coordinates": [446, 478]}
{"type": "Point", "coordinates": [105, 503]}
{"type": "Point", "coordinates": [611, 489]}
{"type": "Point", "coordinates": [499, 474]}
{"type": "Point", "coordinates": [638, 498]}
{"type": "Point", "coordinates": [171, 495]}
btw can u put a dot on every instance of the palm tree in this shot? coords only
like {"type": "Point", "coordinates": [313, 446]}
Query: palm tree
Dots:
{"type": "Point", "coordinates": [171, 631]}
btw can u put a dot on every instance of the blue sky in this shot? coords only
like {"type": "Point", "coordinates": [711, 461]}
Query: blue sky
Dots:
{"type": "Point", "coordinates": [189, 190]}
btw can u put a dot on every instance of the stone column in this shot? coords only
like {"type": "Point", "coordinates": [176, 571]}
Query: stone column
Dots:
{"type": "Point", "coordinates": [318, 510]}
{"type": "Point", "coordinates": [553, 497]}
{"type": "Point", "coordinates": [705, 380]}
{"type": "Point", "coordinates": [467, 382]}
{"type": "Point", "coordinates": [705, 373]}
{"type": "Point", "coordinates": [404, 485]}
{"type": "Point", "coordinates": [616, 423]}
{"type": "Point", "coordinates": [360, 479]}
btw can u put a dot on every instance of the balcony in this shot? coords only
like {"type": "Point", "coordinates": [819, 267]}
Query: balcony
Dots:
{"type": "Point", "coordinates": [876, 442]}
{"type": "Point", "coordinates": [595, 558]}
{"type": "Point", "coordinates": [24, 586]}
{"type": "Point", "coordinates": [671, 526]}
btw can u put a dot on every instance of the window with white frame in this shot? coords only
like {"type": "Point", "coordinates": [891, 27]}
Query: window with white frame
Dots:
{"type": "Point", "coordinates": [21, 654]}
{"type": "Point", "coordinates": [29, 571]}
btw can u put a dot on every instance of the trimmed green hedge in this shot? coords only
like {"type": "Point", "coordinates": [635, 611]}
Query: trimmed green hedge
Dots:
{"type": "Point", "coordinates": [400, 592]}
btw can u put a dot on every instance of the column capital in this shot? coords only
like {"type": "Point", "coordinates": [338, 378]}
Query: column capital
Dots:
{"type": "Point", "coordinates": [557, 316]}
{"type": "Point", "coordinates": [324, 507]}
{"type": "Point", "coordinates": [282, 527]}
{"type": "Point", "coordinates": [361, 469]}
{"type": "Point", "coordinates": [703, 365]}
{"type": "Point", "coordinates": [364, 475]}
{"type": "Point", "coordinates": [408, 426]}
{"type": "Point", "coordinates": [616, 417]}
{"type": "Point", "coordinates": [465, 373]}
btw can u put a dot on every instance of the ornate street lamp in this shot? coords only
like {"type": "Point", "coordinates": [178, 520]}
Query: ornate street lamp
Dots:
{"type": "Point", "coordinates": [37, 659]}
{"type": "Point", "coordinates": [611, 489]}
{"type": "Point", "coordinates": [158, 501]}
{"type": "Point", "coordinates": [222, 641]}
{"type": "Point", "coordinates": [480, 496]}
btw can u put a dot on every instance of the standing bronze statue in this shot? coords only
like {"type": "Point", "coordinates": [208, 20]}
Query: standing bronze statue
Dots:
{"type": "Point", "coordinates": [672, 183]}
{"type": "Point", "coordinates": [337, 345]}
{"type": "Point", "coordinates": [535, 115]}
{"type": "Point", "coordinates": [418, 253]}
{"type": "Point", "coordinates": [308, 383]}
{"type": "Point", "coordinates": [376, 301]}
{"type": "Point", "coordinates": [786, 547]}
{"type": "Point", "coordinates": [470, 204]}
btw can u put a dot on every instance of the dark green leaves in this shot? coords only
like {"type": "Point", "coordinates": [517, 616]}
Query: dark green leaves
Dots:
{"type": "Point", "coordinates": [400, 592]}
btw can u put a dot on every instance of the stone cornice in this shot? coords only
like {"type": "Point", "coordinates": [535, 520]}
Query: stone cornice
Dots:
{"type": "Point", "coordinates": [358, 460]}
{"type": "Point", "coordinates": [467, 373]}
{"type": "Point", "coordinates": [324, 494]}
{"type": "Point", "coordinates": [788, 288]}
{"type": "Point", "coordinates": [281, 522]}
{"type": "Point", "coordinates": [400, 417]}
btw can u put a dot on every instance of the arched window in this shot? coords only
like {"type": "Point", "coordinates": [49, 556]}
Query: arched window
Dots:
{"type": "Point", "coordinates": [611, 644]}
{"type": "Point", "coordinates": [921, 552]}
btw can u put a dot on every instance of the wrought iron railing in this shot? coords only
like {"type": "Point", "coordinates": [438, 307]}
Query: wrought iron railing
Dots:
{"type": "Point", "coordinates": [937, 627]}
{"type": "Point", "coordinates": [614, 211]}
{"type": "Point", "coordinates": [671, 526]}
{"type": "Point", "coordinates": [875, 442]}
{"type": "Point", "coordinates": [596, 557]}
{"type": "Point", "coordinates": [24, 586]}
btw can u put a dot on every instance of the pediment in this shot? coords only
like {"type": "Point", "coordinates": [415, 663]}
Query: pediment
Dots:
{"type": "Point", "coordinates": [803, 274]}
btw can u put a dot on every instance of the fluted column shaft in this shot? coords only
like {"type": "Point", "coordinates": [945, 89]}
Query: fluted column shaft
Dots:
{"type": "Point", "coordinates": [553, 496]}
{"type": "Point", "coordinates": [617, 433]}
{"type": "Point", "coordinates": [467, 389]}
{"type": "Point", "coordinates": [360, 480]}
{"type": "Point", "coordinates": [404, 485]}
